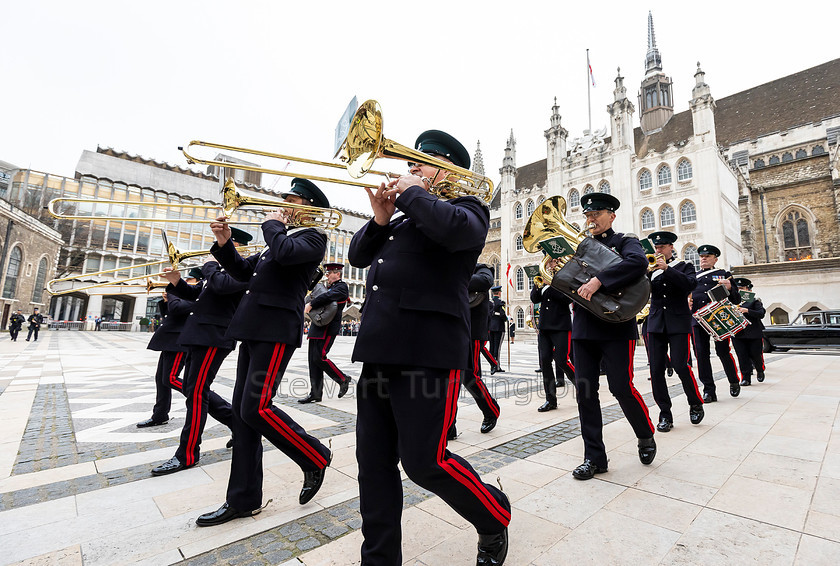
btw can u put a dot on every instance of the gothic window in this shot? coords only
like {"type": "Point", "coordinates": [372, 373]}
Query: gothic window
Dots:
{"type": "Point", "coordinates": [645, 180]}
{"type": "Point", "coordinates": [40, 278]}
{"type": "Point", "coordinates": [690, 255]}
{"type": "Point", "coordinates": [497, 271]}
{"type": "Point", "coordinates": [774, 160]}
{"type": "Point", "coordinates": [800, 153]}
{"type": "Point", "coordinates": [651, 98]}
{"type": "Point", "coordinates": [517, 211]}
{"type": "Point", "coordinates": [520, 318]}
{"type": "Point", "coordinates": [12, 272]}
{"type": "Point", "coordinates": [663, 177]}
{"type": "Point", "coordinates": [648, 220]}
{"type": "Point", "coordinates": [787, 156]}
{"type": "Point", "coordinates": [518, 244]}
{"type": "Point", "coordinates": [796, 236]}
{"type": "Point", "coordinates": [588, 189]}
{"type": "Point", "coordinates": [666, 216]}
{"type": "Point", "coordinates": [529, 207]}
{"type": "Point", "coordinates": [688, 213]}
{"type": "Point", "coordinates": [684, 170]}
{"type": "Point", "coordinates": [541, 199]}
{"type": "Point", "coordinates": [604, 187]}
{"type": "Point", "coordinates": [666, 100]}
{"type": "Point", "coordinates": [520, 279]}
{"type": "Point", "coordinates": [574, 198]}
{"type": "Point", "coordinates": [779, 316]}
{"type": "Point", "coordinates": [759, 163]}
{"type": "Point", "coordinates": [818, 150]}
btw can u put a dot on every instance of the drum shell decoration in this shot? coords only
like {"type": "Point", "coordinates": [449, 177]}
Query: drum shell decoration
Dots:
{"type": "Point", "coordinates": [721, 319]}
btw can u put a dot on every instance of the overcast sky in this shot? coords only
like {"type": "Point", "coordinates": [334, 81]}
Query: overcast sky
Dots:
{"type": "Point", "coordinates": [146, 77]}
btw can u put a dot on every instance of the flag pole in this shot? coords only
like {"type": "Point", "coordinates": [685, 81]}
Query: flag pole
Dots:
{"type": "Point", "coordinates": [507, 317]}
{"type": "Point", "coordinates": [588, 89]}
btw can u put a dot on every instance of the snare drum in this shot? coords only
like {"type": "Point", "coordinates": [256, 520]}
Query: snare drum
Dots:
{"type": "Point", "coordinates": [721, 319]}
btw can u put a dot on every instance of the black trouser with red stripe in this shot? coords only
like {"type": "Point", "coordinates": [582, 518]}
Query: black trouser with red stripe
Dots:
{"type": "Point", "coordinates": [749, 355]}
{"type": "Point", "coordinates": [554, 346]}
{"type": "Point", "coordinates": [403, 415]}
{"type": "Point", "coordinates": [258, 373]}
{"type": "Point", "coordinates": [320, 364]}
{"type": "Point", "coordinates": [204, 363]}
{"type": "Point", "coordinates": [487, 355]}
{"type": "Point", "coordinates": [496, 344]}
{"type": "Point", "coordinates": [702, 351]}
{"type": "Point", "coordinates": [617, 356]}
{"type": "Point", "coordinates": [476, 386]}
{"type": "Point", "coordinates": [658, 344]}
{"type": "Point", "coordinates": [166, 379]}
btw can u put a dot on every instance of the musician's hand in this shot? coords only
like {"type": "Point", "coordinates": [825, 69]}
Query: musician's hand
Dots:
{"type": "Point", "coordinates": [661, 263]}
{"type": "Point", "coordinates": [690, 303]}
{"type": "Point", "coordinates": [221, 230]}
{"type": "Point", "coordinates": [382, 204]}
{"type": "Point", "coordinates": [726, 283]}
{"type": "Point", "coordinates": [307, 308]}
{"type": "Point", "coordinates": [283, 215]}
{"type": "Point", "coordinates": [589, 288]}
{"type": "Point", "coordinates": [165, 297]}
{"type": "Point", "coordinates": [743, 310]}
{"type": "Point", "coordinates": [171, 275]}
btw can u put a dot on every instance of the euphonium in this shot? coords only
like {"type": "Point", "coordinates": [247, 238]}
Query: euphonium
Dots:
{"type": "Point", "coordinates": [546, 222]}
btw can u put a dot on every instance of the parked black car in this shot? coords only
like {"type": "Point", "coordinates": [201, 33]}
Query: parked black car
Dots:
{"type": "Point", "coordinates": [812, 329]}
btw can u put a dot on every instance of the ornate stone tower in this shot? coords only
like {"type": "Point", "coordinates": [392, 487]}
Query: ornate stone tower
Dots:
{"type": "Point", "coordinates": [555, 138]}
{"type": "Point", "coordinates": [656, 101]}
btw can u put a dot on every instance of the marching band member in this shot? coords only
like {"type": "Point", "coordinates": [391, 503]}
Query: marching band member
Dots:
{"type": "Point", "coordinates": [321, 338]}
{"type": "Point", "coordinates": [708, 277]}
{"type": "Point", "coordinates": [498, 327]}
{"type": "Point", "coordinates": [595, 340]}
{"type": "Point", "coordinates": [413, 341]}
{"type": "Point", "coordinates": [278, 279]}
{"type": "Point", "coordinates": [748, 342]}
{"type": "Point", "coordinates": [669, 327]}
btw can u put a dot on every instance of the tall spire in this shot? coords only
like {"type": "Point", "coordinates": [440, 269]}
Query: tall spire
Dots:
{"type": "Point", "coordinates": [653, 62]}
{"type": "Point", "coordinates": [478, 159]}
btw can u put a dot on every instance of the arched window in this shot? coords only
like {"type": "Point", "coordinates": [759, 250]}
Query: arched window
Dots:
{"type": "Point", "coordinates": [796, 236]}
{"type": "Point", "coordinates": [604, 187]}
{"type": "Point", "coordinates": [684, 170]}
{"type": "Point", "coordinates": [818, 150]}
{"type": "Point", "coordinates": [588, 189]}
{"type": "Point", "coordinates": [574, 198]}
{"type": "Point", "coordinates": [518, 243]}
{"type": "Point", "coordinates": [520, 279]}
{"type": "Point", "coordinates": [648, 220]}
{"type": "Point", "coordinates": [774, 160]}
{"type": "Point", "coordinates": [40, 279]}
{"type": "Point", "coordinates": [12, 272]}
{"type": "Point", "coordinates": [688, 212]}
{"type": "Point", "coordinates": [520, 318]}
{"type": "Point", "coordinates": [800, 153]}
{"type": "Point", "coordinates": [666, 216]}
{"type": "Point", "coordinates": [663, 177]}
{"type": "Point", "coordinates": [759, 163]}
{"type": "Point", "coordinates": [497, 271]}
{"type": "Point", "coordinates": [645, 180]}
{"type": "Point", "coordinates": [690, 255]}
{"type": "Point", "coordinates": [787, 156]}
{"type": "Point", "coordinates": [529, 208]}
{"type": "Point", "coordinates": [541, 199]}
{"type": "Point", "coordinates": [517, 211]}
{"type": "Point", "coordinates": [779, 316]}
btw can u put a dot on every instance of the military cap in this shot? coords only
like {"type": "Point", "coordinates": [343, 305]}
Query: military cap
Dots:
{"type": "Point", "coordinates": [195, 273]}
{"type": "Point", "coordinates": [240, 236]}
{"type": "Point", "coordinates": [708, 249]}
{"type": "Point", "coordinates": [333, 266]}
{"type": "Point", "coordinates": [662, 237]}
{"type": "Point", "coordinates": [599, 201]}
{"type": "Point", "coordinates": [307, 189]}
{"type": "Point", "coordinates": [496, 288]}
{"type": "Point", "coordinates": [440, 143]}
{"type": "Point", "coordinates": [743, 282]}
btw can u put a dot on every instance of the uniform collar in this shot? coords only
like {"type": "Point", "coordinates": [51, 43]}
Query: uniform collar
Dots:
{"type": "Point", "coordinates": [606, 234]}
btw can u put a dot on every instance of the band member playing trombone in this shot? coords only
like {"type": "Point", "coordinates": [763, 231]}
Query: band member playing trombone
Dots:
{"type": "Point", "coordinates": [595, 340]}
{"type": "Point", "coordinates": [669, 327]}
{"type": "Point", "coordinates": [708, 277]}
{"type": "Point", "coordinates": [278, 279]}
{"type": "Point", "coordinates": [413, 341]}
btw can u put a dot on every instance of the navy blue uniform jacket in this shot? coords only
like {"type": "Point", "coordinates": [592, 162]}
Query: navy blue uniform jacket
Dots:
{"type": "Point", "coordinates": [416, 310]}
{"type": "Point", "coordinates": [174, 313]}
{"type": "Point", "coordinates": [555, 315]}
{"type": "Point", "coordinates": [705, 281]}
{"type": "Point", "coordinates": [480, 282]}
{"type": "Point", "coordinates": [339, 293]}
{"type": "Point", "coordinates": [669, 290]}
{"type": "Point", "coordinates": [278, 278]}
{"type": "Point", "coordinates": [216, 299]}
{"type": "Point", "coordinates": [498, 316]}
{"type": "Point", "coordinates": [755, 312]}
{"type": "Point", "coordinates": [633, 265]}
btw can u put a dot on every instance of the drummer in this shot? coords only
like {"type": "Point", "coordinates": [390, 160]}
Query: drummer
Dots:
{"type": "Point", "coordinates": [709, 277]}
{"type": "Point", "coordinates": [747, 342]}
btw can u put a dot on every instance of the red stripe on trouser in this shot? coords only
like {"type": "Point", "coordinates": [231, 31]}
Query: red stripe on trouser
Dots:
{"type": "Point", "coordinates": [731, 359]}
{"type": "Point", "coordinates": [195, 423]}
{"type": "Point", "coordinates": [173, 373]}
{"type": "Point", "coordinates": [273, 420]}
{"type": "Point", "coordinates": [329, 363]}
{"type": "Point", "coordinates": [455, 469]}
{"type": "Point", "coordinates": [488, 354]}
{"type": "Point", "coordinates": [569, 351]}
{"type": "Point", "coordinates": [691, 371]}
{"type": "Point", "coordinates": [480, 382]}
{"type": "Point", "coordinates": [633, 389]}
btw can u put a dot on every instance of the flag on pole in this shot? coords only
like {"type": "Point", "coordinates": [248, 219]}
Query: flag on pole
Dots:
{"type": "Point", "coordinates": [507, 274]}
{"type": "Point", "coordinates": [588, 64]}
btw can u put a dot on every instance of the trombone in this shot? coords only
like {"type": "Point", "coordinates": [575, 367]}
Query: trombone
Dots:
{"type": "Point", "coordinates": [363, 145]}
{"type": "Point", "coordinates": [149, 287]}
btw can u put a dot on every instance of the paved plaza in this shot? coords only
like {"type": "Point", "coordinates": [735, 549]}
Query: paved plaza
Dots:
{"type": "Point", "coordinates": [758, 481]}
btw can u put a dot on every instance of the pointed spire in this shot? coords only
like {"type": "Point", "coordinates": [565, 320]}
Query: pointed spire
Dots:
{"type": "Point", "coordinates": [620, 92]}
{"type": "Point", "coordinates": [478, 159]}
{"type": "Point", "coordinates": [555, 115]}
{"type": "Point", "coordinates": [653, 62]}
{"type": "Point", "coordinates": [509, 162]}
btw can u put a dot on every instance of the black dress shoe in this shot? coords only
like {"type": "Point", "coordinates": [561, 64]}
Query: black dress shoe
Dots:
{"type": "Point", "coordinates": [745, 383]}
{"type": "Point", "coordinates": [493, 370]}
{"type": "Point", "coordinates": [560, 383]}
{"type": "Point", "coordinates": [312, 482]}
{"type": "Point", "coordinates": [488, 424]}
{"type": "Point", "coordinates": [760, 376]}
{"type": "Point", "coordinates": [670, 372]}
{"type": "Point", "coordinates": [342, 389]}
{"type": "Point", "coordinates": [696, 413]}
{"type": "Point", "coordinates": [492, 549]}
{"type": "Point", "coordinates": [709, 397]}
{"type": "Point", "coordinates": [547, 407]}
{"type": "Point", "coordinates": [499, 369]}
{"type": "Point", "coordinates": [170, 467]}
{"type": "Point", "coordinates": [665, 425]}
{"type": "Point", "coordinates": [229, 443]}
{"type": "Point", "coordinates": [222, 515]}
{"type": "Point", "coordinates": [587, 470]}
{"type": "Point", "coordinates": [309, 399]}
{"type": "Point", "coordinates": [452, 433]}
{"type": "Point", "coordinates": [647, 450]}
{"type": "Point", "coordinates": [151, 422]}
{"type": "Point", "coordinates": [734, 389]}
